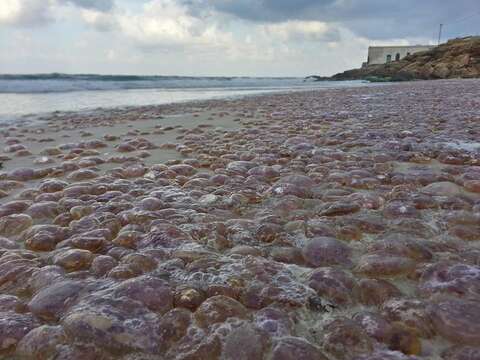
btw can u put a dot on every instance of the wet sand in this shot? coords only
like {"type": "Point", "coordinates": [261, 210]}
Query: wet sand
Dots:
{"type": "Point", "coordinates": [335, 224]}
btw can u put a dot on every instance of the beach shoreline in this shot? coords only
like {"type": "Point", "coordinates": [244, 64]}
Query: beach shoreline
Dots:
{"type": "Point", "coordinates": [59, 126]}
{"type": "Point", "coordinates": [33, 99]}
{"type": "Point", "coordinates": [269, 225]}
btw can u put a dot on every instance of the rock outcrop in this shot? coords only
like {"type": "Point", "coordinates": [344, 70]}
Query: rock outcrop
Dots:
{"type": "Point", "coordinates": [458, 58]}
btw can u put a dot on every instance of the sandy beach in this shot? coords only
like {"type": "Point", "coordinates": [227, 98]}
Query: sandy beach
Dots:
{"type": "Point", "coordinates": [326, 224]}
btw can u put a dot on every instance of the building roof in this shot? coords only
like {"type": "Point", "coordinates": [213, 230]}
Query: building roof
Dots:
{"type": "Point", "coordinates": [399, 46]}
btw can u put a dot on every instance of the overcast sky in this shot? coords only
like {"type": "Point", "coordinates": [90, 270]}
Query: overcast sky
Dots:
{"type": "Point", "coordinates": [217, 37]}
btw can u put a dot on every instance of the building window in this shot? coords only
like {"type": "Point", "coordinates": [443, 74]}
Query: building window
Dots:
{"type": "Point", "coordinates": [397, 57]}
{"type": "Point", "coordinates": [389, 58]}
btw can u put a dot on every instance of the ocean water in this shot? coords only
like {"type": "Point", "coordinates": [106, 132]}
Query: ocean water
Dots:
{"type": "Point", "coordinates": [25, 95]}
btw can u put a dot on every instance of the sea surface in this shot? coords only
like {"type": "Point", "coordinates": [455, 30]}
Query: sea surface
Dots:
{"type": "Point", "coordinates": [22, 96]}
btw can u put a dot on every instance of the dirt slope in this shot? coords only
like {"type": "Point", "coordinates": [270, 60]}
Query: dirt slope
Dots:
{"type": "Point", "coordinates": [458, 58]}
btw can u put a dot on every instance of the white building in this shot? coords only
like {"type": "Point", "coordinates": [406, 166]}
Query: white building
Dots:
{"type": "Point", "coordinates": [386, 54]}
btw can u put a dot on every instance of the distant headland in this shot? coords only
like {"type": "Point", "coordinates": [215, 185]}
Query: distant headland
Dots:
{"type": "Point", "coordinates": [457, 58]}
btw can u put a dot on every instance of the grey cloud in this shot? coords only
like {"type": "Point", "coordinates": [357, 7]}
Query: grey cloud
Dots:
{"type": "Point", "coordinates": [30, 13]}
{"type": "Point", "coordinates": [34, 13]}
{"type": "Point", "coordinates": [376, 19]}
{"type": "Point", "coordinates": [100, 5]}
{"type": "Point", "coordinates": [259, 10]}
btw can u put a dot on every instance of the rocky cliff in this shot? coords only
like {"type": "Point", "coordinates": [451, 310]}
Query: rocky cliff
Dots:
{"type": "Point", "coordinates": [458, 58]}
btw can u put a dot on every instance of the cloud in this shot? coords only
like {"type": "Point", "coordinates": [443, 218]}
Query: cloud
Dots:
{"type": "Point", "coordinates": [259, 10]}
{"type": "Point", "coordinates": [99, 20]}
{"type": "Point", "coordinates": [297, 30]}
{"type": "Point", "coordinates": [216, 37]}
{"type": "Point", "coordinates": [33, 13]}
{"type": "Point", "coordinates": [27, 13]}
{"type": "Point", "coordinates": [170, 24]}
{"type": "Point", "coordinates": [169, 27]}
{"type": "Point", "coordinates": [162, 24]}
{"type": "Point", "coordinates": [100, 5]}
{"type": "Point", "coordinates": [376, 19]}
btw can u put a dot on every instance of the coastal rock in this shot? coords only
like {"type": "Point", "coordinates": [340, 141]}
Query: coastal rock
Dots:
{"type": "Point", "coordinates": [452, 59]}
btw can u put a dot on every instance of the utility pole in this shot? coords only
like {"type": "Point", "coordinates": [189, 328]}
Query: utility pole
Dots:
{"type": "Point", "coordinates": [440, 34]}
